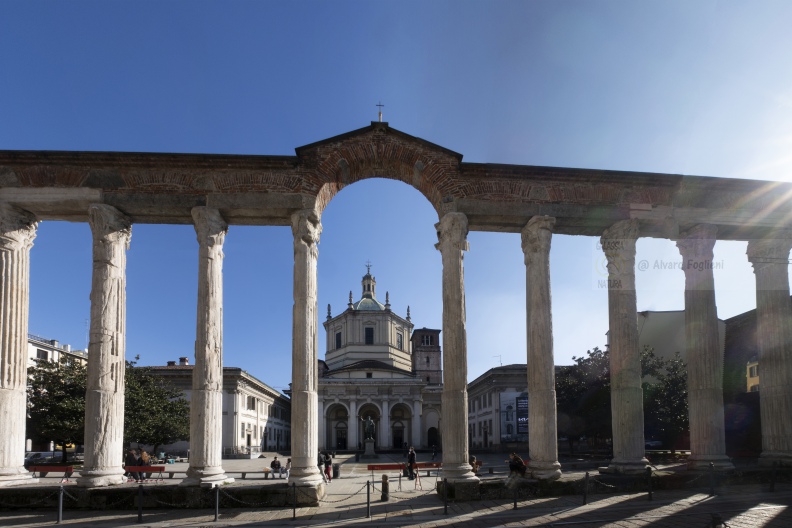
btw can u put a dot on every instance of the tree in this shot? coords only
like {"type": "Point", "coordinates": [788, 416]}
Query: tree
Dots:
{"type": "Point", "coordinates": [56, 402]}
{"type": "Point", "coordinates": [155, 413]}
{"type": "Point", "coordinates": [666, 403]}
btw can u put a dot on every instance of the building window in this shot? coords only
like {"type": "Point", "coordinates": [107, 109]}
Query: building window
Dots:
{"type": "Point", "coordinates": [41, 354]}
{"type": "Point", "coordinates": [479, 425]}
{"type": "Point", "coordinates": [368, 374]}
{"type": "Point", "coordinates": [427, 340]}
{"type": "Point", "coordinates": [369, 335]}
{"type": "Point", "coordinates": [427, 379]}
{"type": "Point", "coordinates": [490, 399]}
{"type": "Point", "coordinates": [242, 430]}
{"type": "Point", "coordinates": [755, 388]}
{"type": "Point", "coordinates": [753, 371]}
{"type": "Point", "coordinates": [338, 340]}
{"type": "Point", "coordinates": [427, 361]}
{"type": "Point", "coordinates": [399, 340]}
{"type": "Point", "coordinates": [509, 429]}
{"type": "Point", "coordinates": [251, 403]}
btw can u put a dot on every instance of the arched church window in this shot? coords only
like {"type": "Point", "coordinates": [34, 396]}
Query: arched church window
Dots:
{"type": "Point", "coordinates": [509, 413]}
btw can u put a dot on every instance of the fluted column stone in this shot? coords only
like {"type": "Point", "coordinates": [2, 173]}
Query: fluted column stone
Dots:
{"type": "Point", "coordinates": [542, 429]}
{"type": "Point", "coordinates": [452, 235]}
{"type": "Point", "coordinates": [352, 423]}
{"type": "Point", "coordinates": [704, 353]}
{"type": "Point", "coordinates": [104, 396]}
{"type": "Point", "coordinates": [416, 423]}
{"type": "Point", "coordinates": [17, 231]}
{"type": "Point", "coordinates": [206, 400]}
{"type": "Point", "coordinates": [618, 243]}
{"type": "Point", "coordinates": [770, 259]}
{"type": "Point", "coordinates": [306, 228]}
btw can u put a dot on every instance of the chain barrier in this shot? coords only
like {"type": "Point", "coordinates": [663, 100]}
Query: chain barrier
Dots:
{"type": "Point", "coordinates": [151, 495]}
{"type": "Point", "coordinates": [602, 483]}
{"type": "Point", "coordinates": [70, 496]}
{"type": "Point", "coordinates": [6, 505]}
{"type": "Point", "coordinates": [414, 495]}
{"type": "Point", "coordinates": [121, 500]}
{"type": "Point", "coordinates": [695, 479]}
{"type": "Point", "coordinates": [240, 501]}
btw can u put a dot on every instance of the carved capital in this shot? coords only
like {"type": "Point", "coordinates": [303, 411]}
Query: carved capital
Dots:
{"type": "Point", "coordinates": [452, 232]}
{"type": "Point", "coordinates": [618, 243]}
{"type": "Point", "coordinates": [537, 235]}
{"type": "Point", "coordinates": [109, 224]}
{"type": "Point", "coordinates": [210, 227]}
{"type": "Point", "coordinates": [17, 228]}
{"type": "Point", "coordinates": [768, 252]}
{"type": "Point", "coordinates": [306, 227]}
{"type": "Point", "coordinates": [696, 244]}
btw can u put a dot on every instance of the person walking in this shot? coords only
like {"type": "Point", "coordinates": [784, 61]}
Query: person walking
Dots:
{"type": "Point", "coordinates": [434, 451]}
{"type": "Point", "coordinates": [411, 463]}
{"type": "Point", "coordinates": [320, 463]}
{"type": "Point", "coordinates": [287, 468]}
{"type": "Point", "coordinates": [328, 462]}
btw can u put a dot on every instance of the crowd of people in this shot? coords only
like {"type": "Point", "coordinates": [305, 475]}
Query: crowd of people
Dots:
{"type": "Point", "coordinates": [132, 460]}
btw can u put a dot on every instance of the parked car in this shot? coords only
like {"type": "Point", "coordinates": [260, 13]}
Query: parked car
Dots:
{"type": "Point", "coordinates": [38, 457]}
{"type": "Point", "coordinates": [653, 444]}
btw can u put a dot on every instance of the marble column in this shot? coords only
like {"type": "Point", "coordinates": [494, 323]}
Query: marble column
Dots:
{"type": "Point", "coordinates": [206, 401]}
{"type": "Point", "coordinates": [770, 259]}
{"type": "Point", "coordinates": [17, 231]}
{"type": "Point", "coordinates": [386, 440]}
{"type": "Point", "coordinates": [542, 432]}
{"type": "Point", "coordinates": [306, 228]}
{"type": "Point", "coordinates": [416, 424]}
{"type": "Point", "coordinates": [452, 235]}
{"type": "Point", "coordinates": [618, 243]}
{"type": "Point", "coordinates": [704, 352]}
{"type": "Point", "coordinates": [104, 395]}
{"type": "Point", "coordinates": [352, 434]}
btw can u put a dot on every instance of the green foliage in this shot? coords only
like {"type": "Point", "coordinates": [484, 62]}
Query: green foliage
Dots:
{"type": "Point", "coordinates": [56, 402]}
{"type": "Point", "coordinates": [666, 403]}
{"type": "Point", "coordinates": [155, 413]}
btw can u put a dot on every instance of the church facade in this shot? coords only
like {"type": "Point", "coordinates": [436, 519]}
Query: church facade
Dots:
{"type": "Point", "coordinates": [378, 366]}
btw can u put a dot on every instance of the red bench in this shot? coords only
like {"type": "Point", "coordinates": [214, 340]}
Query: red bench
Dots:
{"type": "Point", "coordinates": [147, 470]}
{"type": "Point", "coordinates": [43, 470]}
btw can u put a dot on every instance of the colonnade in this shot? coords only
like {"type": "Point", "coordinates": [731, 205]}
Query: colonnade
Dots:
{"type": "Point", "coordinates": [111, 231]}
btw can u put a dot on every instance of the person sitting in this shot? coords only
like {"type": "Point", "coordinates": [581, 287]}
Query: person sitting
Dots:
{"type": "Point", "coordinates": [130, 461]}
{"type": "Point", "coordinates": [472, 462]}
{"type": "Point", "coordinates": [275, 466]}
{"type": "Point", "coordinates": [516, 465]}
{"type": "Point", "coordinates": [287, 468]}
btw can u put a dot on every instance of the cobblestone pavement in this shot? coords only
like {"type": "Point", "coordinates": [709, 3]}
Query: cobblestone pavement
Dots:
{"type": "Point", "coordinates": [345, 505]}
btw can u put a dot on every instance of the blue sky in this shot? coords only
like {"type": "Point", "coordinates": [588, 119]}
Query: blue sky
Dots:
{"type": "Point", "coordinates": [701, 88]}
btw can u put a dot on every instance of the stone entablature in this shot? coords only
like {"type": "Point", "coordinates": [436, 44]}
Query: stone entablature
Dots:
{"type": "Point", "coordinates": [267, 190]}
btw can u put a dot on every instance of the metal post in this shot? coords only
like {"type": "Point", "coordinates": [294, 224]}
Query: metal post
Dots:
{"type": "Point", "coordinates": [368, 499]}
{"type": "Point", "coordinates": [60, 505]}
{"type": "Point", "coordinates": [649, 481]}
{"type": "Point", "coordinates": [712, 479]}
{"type": "Point", "coordinates": [585, 488]}
{"type": "Point", "coordinates": [140, 503]}
{"type": "Point", "coordinates": [294, 505]}
{"type": "Point", "coordinates": [217, 503]}
{"type": "Point", "coordinates": [445, 496]}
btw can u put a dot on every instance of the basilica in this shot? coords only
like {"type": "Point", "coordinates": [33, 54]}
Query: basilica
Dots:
{"type": "Point", "coordinates": [378, 366]}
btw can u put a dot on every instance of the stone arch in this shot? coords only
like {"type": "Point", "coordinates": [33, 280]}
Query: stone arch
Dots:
{"type": "Point", "coordinates": [336, 426]}
{"type": "Point", "coordinates": [375, 411]}
{"type": "Point", "coordinates": [400, 416]}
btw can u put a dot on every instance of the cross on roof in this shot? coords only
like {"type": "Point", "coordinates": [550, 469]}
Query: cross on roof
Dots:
{"type": "Point", "coordinates": [368, 266]}
{"type": "Point", "coordinates": [380, 105]}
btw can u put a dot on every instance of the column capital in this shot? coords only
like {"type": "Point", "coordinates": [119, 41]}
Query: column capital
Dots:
{"type": "Point", "coordinates": [537, 234]}
{"type": "Point", "coordinates": [697, 243]}
{"type": "Point", "coordinates": [452, 232]}
{"type": "Point", "coordinates": [618, 243]}
{"type": "Point", "coordinates": [210, 227]}
{"type": "Point", "coordinates": [107, 222]}
{"type": "Point", "coordinates": [306, 227]}
{"type": "Point", "coordinates": [17, 227]}
{"type": "Point", "coordinates": [768, 251]}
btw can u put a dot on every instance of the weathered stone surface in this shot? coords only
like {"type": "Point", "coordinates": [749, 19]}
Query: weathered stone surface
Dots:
{"type": "Point", "coordinates": [542, 432]}
{"type": "Point", "coordinates": [770, 259]}
{"type": "Point", "coordinates": [206, 402]}
{"type": "Point", "coordinates": [306, 228]}
{"type": "Point", "coordinates": [104, 397]}
{"type": "Point", "coordinates": [704, 355]}
{"type": "Point", "coordinates": [618, 242]}
{"type": "Point", "coordinates": [452, 235]}
{"type": "Point", "coordinates": [17, 231]}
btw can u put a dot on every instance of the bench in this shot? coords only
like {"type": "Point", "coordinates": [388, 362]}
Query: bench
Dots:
{"type": "Point", "coordinates": [267, 472]}
{"type": "Point", "coordinates": [148, 469]}
{"type": "Point", "coordinates": [428, 466]}
{"type": "Point", "coordinates": [43, 470]}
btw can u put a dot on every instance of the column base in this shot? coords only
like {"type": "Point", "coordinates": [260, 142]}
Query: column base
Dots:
{"type": "Point", "coordinates": [625, 467]}
{"type": "Point", "coordinates": [770, 458]}
{"type": "Point", "coordinates": [99, 478]}
{"type": "Point", "coordinates": [206, 477]}
{"type": "Point", "coordinates": [19, 479]}
{"type": "Point", "coordinates": [459, 473]}
{"type": "Point", "coordinates": [545, 469]}
{"type": "Point", "coordinates": [309, 477]}
{"type": "Point", "coordinates": [702, 462]}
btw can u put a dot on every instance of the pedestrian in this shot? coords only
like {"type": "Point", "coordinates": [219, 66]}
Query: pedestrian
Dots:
{"type": "Point", "coordinates": [328, 462]}
{"type": "Point", "coordinates": [411, 463]}
{"type": "Point", "coordinates": [275, 466]}
{"type": "Point", "coordinates": [434, 451]}
{"type": "Point", "coordinates": [320, 463]}
{"type": "Point", "coordinates": [131, 460]}
{"type": "Point", "coordinates": [287, 468]}
{"type": "Point", "coordinates": [472, 461]}
{"type": "Point", "coordinates": [517, 469]}
{"type": "Point", "coordinates": [144, 460]}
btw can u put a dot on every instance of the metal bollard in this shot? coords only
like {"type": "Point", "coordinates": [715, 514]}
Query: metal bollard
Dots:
{"type": "Point", "coordinates": [585, 488]}
{"type": "Point", "coordinates": [649, 481]}
{"type": "Point", "coordinates": [140, 503]}
{"type": "Point", "coordinates": [60, 505]}
{"type": "Point", "coordinates": [445, 496]}
{"type": "Point", "coordinates": [217, 503]}
{"type": "Point", "coordinates": [712, 479]}
{"type": "Point", "coordinates": [294, 502]}
{"type": "Point", "coordinates": [385, 489]}
{"type": "Point", "coordinates": [368, 499]}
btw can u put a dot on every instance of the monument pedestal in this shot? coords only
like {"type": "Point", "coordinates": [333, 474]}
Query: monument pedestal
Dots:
{"type": "Point", "coordinates": [369, 448]}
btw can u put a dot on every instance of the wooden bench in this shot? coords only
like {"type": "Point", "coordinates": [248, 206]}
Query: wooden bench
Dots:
{"type": "Point", "coordinates": [267, 472]}
{"type": "Point", "coordinates": [428, 466]}
{"type": "Point", "coordinates": [43, 470]}
{"type": "Point", "coordinates": [148, 469]}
